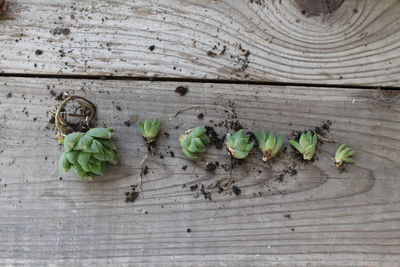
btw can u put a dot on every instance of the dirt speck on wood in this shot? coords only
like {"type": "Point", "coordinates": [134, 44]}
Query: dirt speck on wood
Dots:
{"type": "Point", "coordinates": [182, 90]}
{"type": "Point", "coordinates": [132, 195]}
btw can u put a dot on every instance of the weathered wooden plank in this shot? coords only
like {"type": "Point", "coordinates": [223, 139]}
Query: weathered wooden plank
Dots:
{"type": "Point", "coordinates": [350, 218]}
{"type": "Point", "coordinates": [358, 44]}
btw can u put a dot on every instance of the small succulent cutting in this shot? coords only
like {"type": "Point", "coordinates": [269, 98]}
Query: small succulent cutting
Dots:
{"type": "Point", "coordinates": [149, 129]}
{"type": "Point", "coordinates": [307, 144]}
{"type": "Point", "coordinates": [343, 154]}
{"type": "Point", "coordinates": [88, 153]}
{"type": "Point", "coordinates": [269, 144]}
{"type": "Point", "coordinates": [239, 144]}
{"type": "Point", "coordinates": [194, 142]}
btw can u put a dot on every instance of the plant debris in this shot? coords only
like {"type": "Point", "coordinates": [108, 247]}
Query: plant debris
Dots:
{"type": "Point", "coordinates": [84, 112]}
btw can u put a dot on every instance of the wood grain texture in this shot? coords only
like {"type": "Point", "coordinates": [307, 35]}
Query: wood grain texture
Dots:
{"type": "Point", "coordinates": [359, 44]}
{"type": "Point", "coordinates": [336, 219]}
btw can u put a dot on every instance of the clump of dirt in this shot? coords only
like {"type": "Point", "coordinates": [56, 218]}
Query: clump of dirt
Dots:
{"type": "Point", "coordinates": [132, 195]}
{"type": "Point", "coordinates": [236, 190]}
{"type": "Point", "coordinates": [212, 166]}
{"type": "Point", "coordinates": [200, 116]}
{"type": "Point", "coordinates": [211, 54]}
{"type": "Point", "coordinates": [152, 47]}
{"type": "Point", "coordinates": [193, 187]}
{"type": "Point", "coordinates": [182, 90]}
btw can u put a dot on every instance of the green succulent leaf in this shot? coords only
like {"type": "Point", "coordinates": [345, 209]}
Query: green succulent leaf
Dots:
{"type": "Point", "coordinates": [83, 160]}
{"type": "Point", "coordinates": [343, 155]}
{"type": "Point", "coordinates": [297, 146]}
{"type": "Point", "coordinates": [307, 145]}
{"type": "Point", "coordinates": [95, 147]}
{"type": "Point", "coordinates": [72, 156]}
{"type": "Point", "coordinates": [64, 164]}
{"type": "Point", "coordinates": [97, 167]}
{"type": "Point", "coordinates": [79, 171]}
{"type": "Point", "coordinates": [190, 154]}
{"type": "Point", "coordinates": [103, 133]}
{"type": "Point", "coordinates": [84, 143]}
{"type": "Point", "coordinates": [71, 140]}
{"type": "Point", "coordinates": [239, 144]}
{"type": "Point", "coordinates": [194, 141]}
{"type": "Point", "coordinates": [109, 144]}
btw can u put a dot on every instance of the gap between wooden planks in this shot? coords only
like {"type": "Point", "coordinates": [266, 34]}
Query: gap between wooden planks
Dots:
{"type": "Point", "coordinates": [336, 218]}
{"type": "Point", "coordinates": [359, 44]}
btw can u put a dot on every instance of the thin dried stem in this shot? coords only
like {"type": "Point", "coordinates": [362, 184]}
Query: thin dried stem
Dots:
{"type": "Point", "coordinates": [204, 106]}
{"type": "Point", "coordinates": [324, 139]}
{"type": "Point", "coordinates": [142, 173]}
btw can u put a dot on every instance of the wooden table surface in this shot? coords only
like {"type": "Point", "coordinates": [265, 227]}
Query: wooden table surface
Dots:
{"type": "Point", "coordinates": [277, 66]}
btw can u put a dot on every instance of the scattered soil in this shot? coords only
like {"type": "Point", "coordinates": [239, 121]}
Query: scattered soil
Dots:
{"type": "Point", "coordinates": [132, 195]}
{"type": "Point", "coordinates": [232, 165]}
{"type": "Point", "coordinates": [188, 230]}
{"type": "Point", "coordinates": [152, 47]}
{"type": "Point", "coordinates": [182, 90]}
{"type": "Point", "coordinates": [206, 194]}
{"type": "Point", "coordinates": [39, 52]}
{"type": "Point", "coordinates": [9, 95]}
{"type": "Point", "coordinates": [200, 116]}
{"type": "Point", "coordinates": [184, 167]}
{"type": "Point", "coordinates": [242, 60]}
{"type": "Point", "coordinates": [216, 140]}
